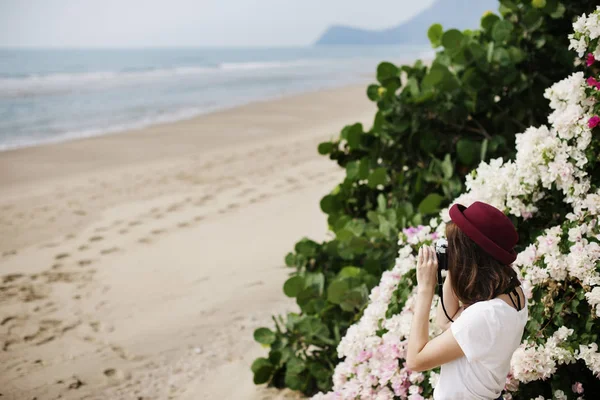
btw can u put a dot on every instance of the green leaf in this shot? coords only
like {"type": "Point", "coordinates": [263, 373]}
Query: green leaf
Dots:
{"type": "Point", "coordinates": [294, 379]}
{"type": "Point", "coordinates": [559, 12]}
{"type": "Point", "coordinates": [352, 169]}
{"type": "Point", "coordinates": [516, 55]}
{"type": "Point", "coordinates": [290, 259]}
{"type": "Point", "coordinates": [350, 272]}
{"type": "Point", "coordinates": [488, 21]}
{"type": "Point", "coordinates": [435, 35]}
{"type": "Point", "coordinates": [378, 177]}
{"type": "Point", "coordinates": [260, 362]}
{"type": "Point", "coordinates": [363, 169]}
{"type": "Point", "coordinates": [353, 136]}
{"type": "Point", "coordinates": [490, 52]}
{"type": "Point", "coordinates": [538, 3]}
{"type": "Point", "coordinates": [293, 286]}
{"type": "Point", "coordinates": [325, 148]}
{"type": "Point", "coordinates": [533, 20]}
{"type": "Point", "coordinates": [502, 30]}
{"type": "Point", "coordinates": [264, 336]}
{"type": "Point", "coordinates": [484, 146]}
{"type": "Point", "coordinates": [312, 328]}
{"type": "Point", "coordinates": [386, 70]}
{"type": "Point", "coordinates": [447, 167]}
{"type": "Point", "coordinates": [502, 56]}
{"type": "Point", "coordinates": [413, 87]}
{"type": "Point", "coordinates": [452, 39]}
{"type": "Point", "coordinates": [436, 74]}
{"type": "Point", "coordinates": [329, 204]}
{"type": "Point", "coordinates": [305, 297]}
{"type": "Point", "coordinates": [315, 280]}
{"type": "Point", "coordinates": [373, 92]}
{"type": "Point", "coordinates": [496, 143]}
{"type": "Point", "coordinates": [262, 369]}
{"type": "Point", "coordinates": [428, 142]}
{"type": "Point", "coordinates": [337, 289]}
{"type": "Point", "coordinates": [355, 299]}
{"type": "Point", "coordinates": [430, 204]}
{"type": "Point", "coordinates": [467, 151]}
{"type": "Point", "coordinates": [381, 202]}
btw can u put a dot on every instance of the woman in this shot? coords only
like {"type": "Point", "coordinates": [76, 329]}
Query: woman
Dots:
{"type": "Point", "coordinates": [475, 352]}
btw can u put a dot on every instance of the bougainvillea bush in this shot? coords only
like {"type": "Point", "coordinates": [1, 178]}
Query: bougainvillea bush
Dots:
{"type": "Point", "coordinates": [434, 124]}
{"type": "Point", "coordinates": [551, 190]}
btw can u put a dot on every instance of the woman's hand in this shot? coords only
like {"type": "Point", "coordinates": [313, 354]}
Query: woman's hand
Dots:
{"type": "Point", "coordinates": [427, 267]}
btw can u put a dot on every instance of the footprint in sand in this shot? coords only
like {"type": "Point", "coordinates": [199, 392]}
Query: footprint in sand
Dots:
{"type": "Point", "coordinates": [173, 207]}
{"type": "Point", "coordinates": [83, 247]}
{"type": "Point", "coordinates": [109, 250]}
{"type": "Point", "coordinates": [83, 263]}
{"type": "Point", "coordinates": [96, 238]}
{"type": "Point", "coordinates": [158, 231]}
{"type": "Point", "coordinates": [61, 256]}
{"type": "Point", "coordinates": [183, 224]}
{"type": "Point", "coordinates": [11, 278]}
{"type": "Point", "coordinates": [123, 231]}
{"type": "Point", "coordinates": [145, 240]}
{"type": "Point", "coordinates": [134, 223]}
{"type": "Point", "coordinates": [198, 217]}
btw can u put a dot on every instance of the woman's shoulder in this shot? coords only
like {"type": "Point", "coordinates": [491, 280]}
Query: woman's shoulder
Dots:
{"type": "Point", "coordinates": [505, 298]}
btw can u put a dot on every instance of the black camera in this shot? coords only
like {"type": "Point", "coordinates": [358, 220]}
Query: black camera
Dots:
{"type": "Point", "coordinates": [441, 247]}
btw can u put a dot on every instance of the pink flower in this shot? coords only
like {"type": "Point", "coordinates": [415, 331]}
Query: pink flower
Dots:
{"type": "Point", "coordinates": [577, 388]}
{"type": "Point", "coordinates": [364, 356]}
{"type": "Point", "coordinates": [594, 121]}
{"type": "Point", "coordinates": [590, 59]}
{"type": "Point", "coordinates": [593, 82]}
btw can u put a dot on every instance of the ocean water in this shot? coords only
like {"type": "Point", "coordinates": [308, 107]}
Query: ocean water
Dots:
{"type": "Point", "coordinates": [56, 95]}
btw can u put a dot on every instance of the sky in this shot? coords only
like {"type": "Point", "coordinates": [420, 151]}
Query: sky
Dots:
{"type": "Point", "coordinates": [194, 23]}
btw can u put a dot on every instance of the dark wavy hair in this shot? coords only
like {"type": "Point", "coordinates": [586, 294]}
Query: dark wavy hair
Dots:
{"type": "Point", "coordinates": [474, 274]}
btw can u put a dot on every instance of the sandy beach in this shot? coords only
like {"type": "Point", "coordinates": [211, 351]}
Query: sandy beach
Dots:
{"type": "Point", "coordinates": [137, 265]}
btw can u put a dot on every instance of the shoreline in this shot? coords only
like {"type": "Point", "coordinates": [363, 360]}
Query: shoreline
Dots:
{"type": "Point", "coordinates": [139, 264]}
{"type": "Point", "coordinates": [170, 118]}
{"type": "Point", "coordinates": [153, 132]}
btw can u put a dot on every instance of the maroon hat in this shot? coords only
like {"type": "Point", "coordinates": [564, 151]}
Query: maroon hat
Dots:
{"type": "Point", "coordinates": [487, 226]}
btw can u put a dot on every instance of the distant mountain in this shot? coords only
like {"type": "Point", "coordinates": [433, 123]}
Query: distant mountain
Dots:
{"type": "Point", "coordinates": [459, 14]}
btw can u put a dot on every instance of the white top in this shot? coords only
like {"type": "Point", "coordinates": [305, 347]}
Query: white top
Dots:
{"type": "Point", "coordinates": [488, 332]}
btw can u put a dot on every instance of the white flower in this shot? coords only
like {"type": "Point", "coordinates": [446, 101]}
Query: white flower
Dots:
{"type": "Point", "coordinates": [560, 395]}
{"type": "Point", "coordinates": [434, 379]}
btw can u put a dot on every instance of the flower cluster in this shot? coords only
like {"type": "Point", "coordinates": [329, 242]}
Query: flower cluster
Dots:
{"type": "Point", "coordinates": [585, 36]}
{"type": "Point", "coordinates": [550, 161]}
{"type": "Point", "coordinates": [374, 347]}
{"type": "Point", "coordinates": [530, 362]}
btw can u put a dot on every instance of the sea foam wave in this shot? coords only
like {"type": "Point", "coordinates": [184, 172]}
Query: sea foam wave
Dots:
{"type": "Point", "coordinates": [60, 82]}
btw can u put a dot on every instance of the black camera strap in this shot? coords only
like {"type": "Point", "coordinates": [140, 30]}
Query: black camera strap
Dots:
{"type": "Point", "coordinates": [509, 291]}
{"type": "Point", "coordinates": [441, 293]}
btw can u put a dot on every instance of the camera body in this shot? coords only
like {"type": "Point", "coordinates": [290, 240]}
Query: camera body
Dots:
{"type": "Point", "coordinates": [441, 247]}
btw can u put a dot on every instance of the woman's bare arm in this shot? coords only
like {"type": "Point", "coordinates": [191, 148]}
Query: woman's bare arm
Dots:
{"type": "Point", "coordinates": [451, 304]}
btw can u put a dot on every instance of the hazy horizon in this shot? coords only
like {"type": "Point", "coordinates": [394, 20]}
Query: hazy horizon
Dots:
{"type": "Point", "coordinates": [111, 24]}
